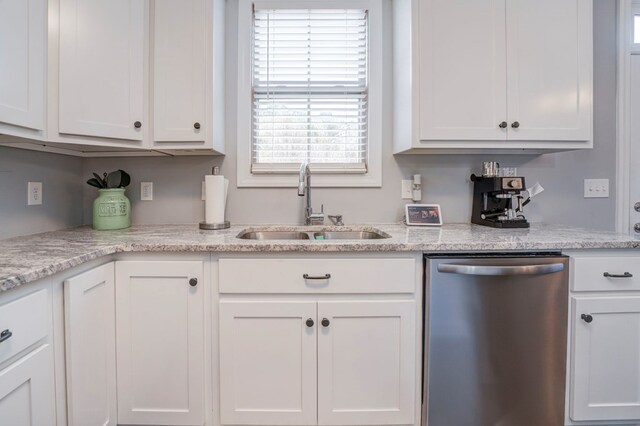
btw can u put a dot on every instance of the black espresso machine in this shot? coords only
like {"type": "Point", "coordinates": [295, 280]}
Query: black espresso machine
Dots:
{"type": "Point", "coordinates": [498, 201]}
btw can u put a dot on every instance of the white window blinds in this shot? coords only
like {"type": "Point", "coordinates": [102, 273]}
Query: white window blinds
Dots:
{"type": "Point", "coordinates": [310, 70]}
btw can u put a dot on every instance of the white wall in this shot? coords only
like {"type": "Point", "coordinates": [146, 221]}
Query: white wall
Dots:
{"type": "Point", "coordinates": [445, 177]}
{"type": "Point", "coordinates": [62, 188]}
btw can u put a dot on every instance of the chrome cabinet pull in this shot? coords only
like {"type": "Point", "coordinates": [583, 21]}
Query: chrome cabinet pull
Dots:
{"type": "Point", "coordinates": [312, 277]}
{"type": "Point", "coordinates": [193, 282]}
{"type": "Point", "coordinates": [451, 268]}
{"type": "Point", "coordinates": [309, 323]}
{"type": "Point", "coordinates": [325, 322]}
{"type": "Point", "coordinates": [5, 335]}
{"type": "Point", "coordinates": [625, 275]}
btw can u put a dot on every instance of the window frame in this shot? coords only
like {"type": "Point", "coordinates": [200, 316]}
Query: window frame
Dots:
{"type": "Point", "coordinates": [323, 177]}
{"type": "Point", "coordinates": [635, 11]}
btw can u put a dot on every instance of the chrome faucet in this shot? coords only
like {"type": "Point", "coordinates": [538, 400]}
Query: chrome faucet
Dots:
{"type": "Point", "coordinates": [304, 188]}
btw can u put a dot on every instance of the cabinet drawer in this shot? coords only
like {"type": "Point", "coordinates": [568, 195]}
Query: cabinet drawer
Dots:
{"type": "Point", "coordinates": [26, 320]}
{"type": "Point", "coordinates": [589, 273]}
{"type": "Point", "coordinates": [287, 275]}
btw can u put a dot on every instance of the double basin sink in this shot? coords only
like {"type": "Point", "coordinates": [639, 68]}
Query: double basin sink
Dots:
{"type": "Point", "coordinates": [316, 235]}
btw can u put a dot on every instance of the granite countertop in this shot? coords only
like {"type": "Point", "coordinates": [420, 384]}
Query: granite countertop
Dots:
{"type": "Point", "coordinates": [29, 258]}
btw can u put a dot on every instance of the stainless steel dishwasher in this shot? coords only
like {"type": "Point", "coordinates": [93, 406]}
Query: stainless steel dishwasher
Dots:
{"type": "Point", "coordinates": [495, 340]}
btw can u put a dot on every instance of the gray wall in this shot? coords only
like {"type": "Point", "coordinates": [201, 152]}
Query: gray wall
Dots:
{"type": "Point", "coordinates": [446, 177]}
{"type": "Point", "coordinates": [62, 189]}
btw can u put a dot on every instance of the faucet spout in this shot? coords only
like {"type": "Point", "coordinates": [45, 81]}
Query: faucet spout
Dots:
{"type": "Point", "coordinates": [304, 188]}
{"type": "Point", "coordinates": [304, 174]}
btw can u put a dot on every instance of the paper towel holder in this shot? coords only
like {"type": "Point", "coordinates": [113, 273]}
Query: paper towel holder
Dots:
{"type": "Point", "coordinates": [215, 226]}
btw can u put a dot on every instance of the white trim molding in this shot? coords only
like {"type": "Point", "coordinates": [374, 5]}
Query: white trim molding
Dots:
{"type": "Point", "coordinates": [325, 178]}
{"type": "Point", "coordinates": [623, 146]}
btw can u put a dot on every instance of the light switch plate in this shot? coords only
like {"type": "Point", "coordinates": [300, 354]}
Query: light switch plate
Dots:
{"type": "Point", "coordinates": [146, 191]}
{"type": "Point", "coordinates": [596, 188]}
{"type": "Point", "coordinates": [406, 192]}
{"type": "Point", "coordinates": [34, 193]}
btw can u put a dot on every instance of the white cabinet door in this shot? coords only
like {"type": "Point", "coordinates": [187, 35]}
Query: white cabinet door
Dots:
{"type": "Point", "coordinates": [366, 362]}
{"type": "Point", "coordinates": [268, 363]}
{"type": "Point", "coordinates": [160, 342]}
{"type": "Point", "coordinates": [90, 334]}
{"type": "Point", "coordinates": [26, 391]}
{"type": "Point", "coordinates": [22, 62]}
{"type": "Point", "coordinates": [605, 376]}
{"type": "Point", "coordinates": [549, 51]}
{"type": "Point", "coordinates": [101, 68]}
{"type": "Point", "coordinates": [179, 70]}
{"type": "Point", "coordinates": [462, 70]}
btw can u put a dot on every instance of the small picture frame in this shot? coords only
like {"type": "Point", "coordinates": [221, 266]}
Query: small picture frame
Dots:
{"type": "Point", "coordinates": [423, 214]}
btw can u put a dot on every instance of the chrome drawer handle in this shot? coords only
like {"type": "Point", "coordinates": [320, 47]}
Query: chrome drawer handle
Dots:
{"type": "Point", "coordinates": [311, 277]}
{"type": "Point", "coordinates": [625, 275]}
{"type": "Point", "coordinates": [5, 335]}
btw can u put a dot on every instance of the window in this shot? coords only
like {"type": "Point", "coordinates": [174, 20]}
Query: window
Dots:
{"type": "Point", "coordinates": [635, 27]}
{"type": "Point", "coordinates": [313, 92]}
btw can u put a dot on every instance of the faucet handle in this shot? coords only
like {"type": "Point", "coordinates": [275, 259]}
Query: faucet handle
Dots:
{"type": "Point", "coordinates": [336, 219]}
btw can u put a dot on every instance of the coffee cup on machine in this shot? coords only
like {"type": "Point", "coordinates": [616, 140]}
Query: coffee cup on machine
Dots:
{"type": "Point", "coordinates": [490, 168]}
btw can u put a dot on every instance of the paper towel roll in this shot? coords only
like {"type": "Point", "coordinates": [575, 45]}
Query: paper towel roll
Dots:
{"type": "Point", "coordinates": [215, 198]}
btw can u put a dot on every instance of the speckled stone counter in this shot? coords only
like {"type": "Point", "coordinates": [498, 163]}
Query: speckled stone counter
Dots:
{"type": "Point", "coordinates": [26, 259]}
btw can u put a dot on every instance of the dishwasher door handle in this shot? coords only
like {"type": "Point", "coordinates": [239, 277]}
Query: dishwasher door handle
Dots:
{"type": "Point", "coordinates": [549, 268]}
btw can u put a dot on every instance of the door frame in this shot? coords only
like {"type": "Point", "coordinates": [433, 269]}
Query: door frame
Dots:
{"type": "Point", "coordinates": [623, 145]}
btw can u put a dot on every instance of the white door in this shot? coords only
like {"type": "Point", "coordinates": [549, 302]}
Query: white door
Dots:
{"type": "Point", "coordinates": [268, 363]}
{"type": "Point", "coordinates": [605, 375]}
{"type": "Point", "coordinates": [462, 70]}
{"type": "Point", "coordinates": [160, 342]}
{"type": "Point", "coordinates": [101, 68]}
{"type": "Point", "coordinates": [549, 69]}
{"type": "Point", "coordinates": [366, 363]}
{"type": "Point", "coordinates": [634, 170]}
{"type": "Point", "coordinates": [90, 335]}
{"type": "Point", "coordinates": [179, 70]}
{"type": "Point", "coordinates": [23, 38]}
{"type": "Point", "coordinates": [26, 391]}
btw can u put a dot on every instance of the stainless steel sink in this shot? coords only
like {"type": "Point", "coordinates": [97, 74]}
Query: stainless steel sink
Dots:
{"type": "Point", "coordinates": [348, 235]}
{"type": "Point", "coordinates": [317, 235]}
{"type": "Point", "coordinates": [273, 235]}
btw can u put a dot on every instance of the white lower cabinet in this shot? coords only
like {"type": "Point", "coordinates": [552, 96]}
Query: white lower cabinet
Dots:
{"type": "Point", "coordinates": [606, 358]}
{"type": "Point", "coordinates": [26, 390]}
{"type": "Point", "coordinates": [268, 363]}
{"type": "Point", "coordinates": [90, 337]}
{"type": "Point", "coordinates": [366, 362]}
{"type": "Point", "coordinates": [361, 353]}
{"type": "Point", "coordinates": [160, 342]}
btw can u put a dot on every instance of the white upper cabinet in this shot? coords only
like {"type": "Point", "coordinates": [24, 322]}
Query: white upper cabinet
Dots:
{"type": "Point", "coordinates": [23, 29]}
{"type": "Point", "coordinates": [179, 70]}
{"type": "Point", "coordinates": [493, 74]}
{"type": "Point", "coordinates": [463, 63]}
{"type": "Point", "coordinates": [101, 56]}
{"type": "Point", "coordinates": [549, 69]}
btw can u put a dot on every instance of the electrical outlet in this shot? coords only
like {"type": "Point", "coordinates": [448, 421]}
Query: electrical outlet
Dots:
{"type": "Point", "coordinates": [596, 188]}
{"type": "Point", "coordinates": [202, 196]}
{"type": "Point", "coordinates": [406, 192]}
{"type": "Point", "coordinates": [34, 193]}
{"type": "Point", "coordinates": [146, 191]}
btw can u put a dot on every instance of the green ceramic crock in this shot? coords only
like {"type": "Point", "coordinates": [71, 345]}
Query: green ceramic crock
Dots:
{"type": "Point", "coordinates": [111, 210]}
